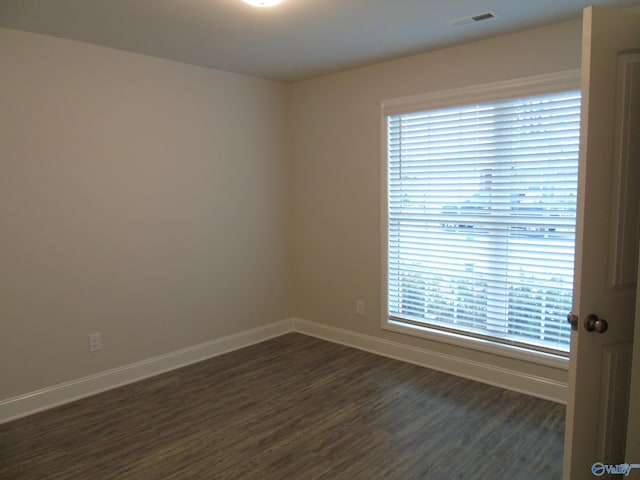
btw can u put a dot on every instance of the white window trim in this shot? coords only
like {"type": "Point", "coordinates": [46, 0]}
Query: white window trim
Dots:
{"type": "Point", "coordinates": [522, 87]}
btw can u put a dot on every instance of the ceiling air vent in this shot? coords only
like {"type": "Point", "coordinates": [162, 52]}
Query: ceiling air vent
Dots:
{"type": "Point", "coordinates": [472, 19]}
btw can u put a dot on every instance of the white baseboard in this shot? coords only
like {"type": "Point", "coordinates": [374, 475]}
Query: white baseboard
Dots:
{"type": "Point", "coordinates": [56, 395]}
{"type": "Point", "coordinates": [533, 385]}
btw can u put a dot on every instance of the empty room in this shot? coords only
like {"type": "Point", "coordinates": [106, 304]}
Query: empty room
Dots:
{"type": "Point", "coordinates": [319, 239]}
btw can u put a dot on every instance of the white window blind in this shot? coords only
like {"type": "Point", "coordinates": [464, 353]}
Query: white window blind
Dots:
{"type": "Point", "coordinates": [481, 218]}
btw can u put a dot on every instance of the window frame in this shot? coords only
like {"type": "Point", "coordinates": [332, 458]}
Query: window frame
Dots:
{"type": "Point", "coordinates": [521, 87]}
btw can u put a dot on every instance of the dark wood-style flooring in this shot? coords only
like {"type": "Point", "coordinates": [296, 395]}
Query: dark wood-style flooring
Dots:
{"type": "Point", "coordinates": [294, 407]}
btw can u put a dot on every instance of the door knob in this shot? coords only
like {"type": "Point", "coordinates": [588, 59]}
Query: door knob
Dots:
{"type": "Point", "coordinates": [595, 324]}
{"type": "Point", "coordinates": [573, 320]}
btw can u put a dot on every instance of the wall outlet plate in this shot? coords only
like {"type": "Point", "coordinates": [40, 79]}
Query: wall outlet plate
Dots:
{"type": "Point", "coordinates": [95, 342]}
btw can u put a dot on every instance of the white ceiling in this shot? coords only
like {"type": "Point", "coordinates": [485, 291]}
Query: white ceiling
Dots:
{"type": "Point", "coordinates": [295, 40]}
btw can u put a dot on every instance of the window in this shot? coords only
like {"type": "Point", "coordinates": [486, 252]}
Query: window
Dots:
{"type": "Point", "coordinates": [481, 214]}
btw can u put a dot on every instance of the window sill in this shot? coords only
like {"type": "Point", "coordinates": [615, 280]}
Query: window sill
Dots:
{"type": "Point", "coordinates": [547, 359]}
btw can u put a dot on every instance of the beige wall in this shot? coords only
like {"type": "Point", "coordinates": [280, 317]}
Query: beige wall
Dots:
{"type": "Point", "coordinates": [336, 161]}
{"type": "Point", "coordinates": [140, 198]}
{"type": "Point", "coordinates": [165, 205]}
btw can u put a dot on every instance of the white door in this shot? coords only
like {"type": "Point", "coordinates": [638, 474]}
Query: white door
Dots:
{"type": "Point", "coordinates": [633, 423]}
{"type": "Point", "coordinates": [606, 250]}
